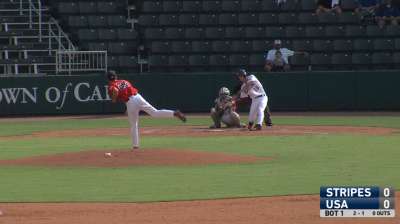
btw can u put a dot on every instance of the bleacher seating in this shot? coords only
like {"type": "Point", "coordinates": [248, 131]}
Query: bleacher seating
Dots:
{"type": "Point", "coordinates": [231, 33]}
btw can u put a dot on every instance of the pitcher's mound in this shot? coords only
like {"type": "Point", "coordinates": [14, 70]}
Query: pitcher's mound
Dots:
{"type": "Point", "coordinates": [123, 158]}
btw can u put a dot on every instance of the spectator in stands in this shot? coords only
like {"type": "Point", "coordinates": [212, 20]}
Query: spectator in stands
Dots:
{"type": "Point", "coordinates": [328, 6]}
{"type": "Point", "coordinates": [387, 13]}
{"type": "Point", "coordinates": [366, 8]}
{"type": "Point", "coordinates": [277, 59]}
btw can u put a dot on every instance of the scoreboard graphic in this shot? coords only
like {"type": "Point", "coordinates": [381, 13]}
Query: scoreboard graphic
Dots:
{"type": "Point", "coordinates": [348, 202]}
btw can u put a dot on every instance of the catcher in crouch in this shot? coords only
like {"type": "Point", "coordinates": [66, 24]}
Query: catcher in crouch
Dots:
{"type": "Point", "coordinates": [224, 111]}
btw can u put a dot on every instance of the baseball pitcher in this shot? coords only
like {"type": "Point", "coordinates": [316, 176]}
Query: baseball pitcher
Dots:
{"type": "Point", "coordinates": [122, 91]}
{"type": "Point", "coordinates": [223, 110]}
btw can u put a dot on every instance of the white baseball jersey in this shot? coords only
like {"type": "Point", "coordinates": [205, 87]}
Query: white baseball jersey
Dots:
{"type": "Point", "coordinates": [252, 88]}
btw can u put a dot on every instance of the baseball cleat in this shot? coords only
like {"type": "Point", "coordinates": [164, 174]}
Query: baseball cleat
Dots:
{"type": "Point", "coordinates": [258, 127]}
{"type": "Point", "coordinates": [180, 115]}
{"type": "Point", "coordinates": [135, 148]}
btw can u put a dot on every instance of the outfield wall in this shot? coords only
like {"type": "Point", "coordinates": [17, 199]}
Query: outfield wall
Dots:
{"type": "Point", "coordinates": [314, 91]}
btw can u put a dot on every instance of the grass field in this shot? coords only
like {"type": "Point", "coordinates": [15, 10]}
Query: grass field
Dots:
{"type": "Point", "coordinates": [300, 164]}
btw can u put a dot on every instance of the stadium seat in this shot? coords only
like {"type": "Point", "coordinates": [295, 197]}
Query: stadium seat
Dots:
{"type": "Point", "coordinates": [122, 47]}
{"type": "Point", "coordinates": [181, 46]}
{"type": "Point", "coordinates": [160, 47]}
{"type": "Point", "coordinates": [208, 19]}
{"type": "Point", "coordinates": [148, 20]}
{"type": "Point", "coordinates": [128, 61]}
{"type": "Point", "coordinates": [97, 21]}
{"type": "Point", "coordinates": [307, 18]}
{"type": "Point", "coordinates": [112, 62]}
{"type": "Point", "coordinates": [320, 61]}
{"type": "Point", "coordinates": [327, 18]}
{"type": "Point", "coordinates": [268, 18]}
{"type": "Point", "coordinates": [302, 45]}
{"type": "Point", "coordinates": [107, 7]}
{"type": "Point", "coordinates": [255, 32]}
{"type": "Point", "coordinates": [308, 5]}
{"type": "Point", "coordinates": [363, 59]}
{"type": "Point", "coordinates": [348, 18]}
{"type": "Point", "coordinates": [201, 46]}
{"type": "Point", "coordinates": [269, 6]}
{"type": "Point", "coordinates": [396, 59]}
{"type": "Point", "coordinates": [256, 60]}
{"type": "Point", "coordinates": [188, 19]}
{"type": "Point", "coordinates": [299, 62]}
{"type": "Point", "coordinates": [168, 20]}
{"type": "Point", "coordinates": [239, 60]}
{"type": "Point", "coordinates": [215, 32]}
{"type": "Point", "coordinates": [334, 31]}
{"type": "Point", "coordinates": [212, 6]}
{"type": "Point", "coordinates": [78, 21]}
{"type": "Point", "coordinates": [241, 46]}
{"type": "Point", "coordinates": [382, 58]}
{"type": "Point", "coordinates": [199, 60]}
{"type": "Point", "coordinates": [251, 6]}
{"type": "Point", "coordinates": [221, 46]}
{"type": "Point", "coordinates": [397, 44]}
{"type": "Point", "coordinates": [248, 19]}
{"type": "Point", "coordinates": [228, 19]}
{"type": "Point", "coordinates": [355, 31]}
{"type": "Point", "coordinates": [383, 44]}
{"type": "Point", "coordinates": [362, 45]}
{"type": "Point", "coordinates": [295, 32]}
{"type": "Point", "coordinates": [192, 6]}
{"type": "Point", "coordinates": [374, 31]}
{"type": "Point", "coordinates": [117, 21]}
{"type": "Point", "coordinates": [97, 46]}
{"type": "Point", "coordinates": [231, 5]}
{"type": "Point", "coordinates": [261, 45]}
{"type": "Point", "coordinates": [275, 32]}
{"type": "Point", "coordinates": [219, 60]}
{"type": "Point", "coordinates": [392, 30]}
{"type": "Point", "coordinates": [172, 6]}
{"type": "Point", "coordinates": [324, 46]}
{"type": "Point", "coordinates": [195, 33]}
{"type": "Point", "coordinates": [107, 34]}
{"type": "Point", "coordinates": [154, 33]}
{"type": "Point", "coordinates": [89, 7]}
{"type": "Point", "coordinates": [152, 6]}
{"type": "Point", "coordinates": [88, 34]}
{"type": "Point", "coordinates": [127, 34]}
{"type": "Point", "coordinates": [67, 7]}
{"type": "Point", "coordinates": [178, 60]}
{"type": "Point", "coordinates": [315, 31]}
{"type": "Point", "coordinates": [343, 45]}
{"type": "Point", "coordinates": [287, 18]}
{"type": "Point", "coordinates": [158, 60]}
{"type": "Point", "coordinates": [235, 32]}
{"type": "Point", "coordinates": [341, 61]}
{"type": "Point", "coordinates": [174, 33]}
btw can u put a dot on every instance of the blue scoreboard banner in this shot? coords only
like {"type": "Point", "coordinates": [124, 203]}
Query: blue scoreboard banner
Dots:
{"type": "Point", "coordinates": [356, 201]}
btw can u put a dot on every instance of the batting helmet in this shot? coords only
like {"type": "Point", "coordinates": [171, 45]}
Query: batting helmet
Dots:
{"type": "Point", "coordinates": [241, 72]}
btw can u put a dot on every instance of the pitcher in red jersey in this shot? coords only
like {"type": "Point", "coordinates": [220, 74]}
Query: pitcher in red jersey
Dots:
{"type": "Point", "coordinates": [123, 91]}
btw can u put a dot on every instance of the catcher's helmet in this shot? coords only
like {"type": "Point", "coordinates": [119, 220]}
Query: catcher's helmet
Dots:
{"type": "Point", "coordinates": [111, 75]}
{"type": "Point", "coordinates": [224, 91]}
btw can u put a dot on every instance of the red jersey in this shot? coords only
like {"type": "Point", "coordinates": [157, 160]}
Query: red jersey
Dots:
{"type": "Point", "coordinates": [125, 89]}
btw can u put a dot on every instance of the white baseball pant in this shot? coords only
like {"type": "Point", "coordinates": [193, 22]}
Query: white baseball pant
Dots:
{"type": "Point", "coordinates": [136, 104]}
{"type": "Point", "coordinates": [257, 108]}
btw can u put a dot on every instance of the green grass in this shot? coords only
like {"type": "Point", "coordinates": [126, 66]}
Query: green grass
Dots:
{"type": "Point", "coordinates": [300, 165]}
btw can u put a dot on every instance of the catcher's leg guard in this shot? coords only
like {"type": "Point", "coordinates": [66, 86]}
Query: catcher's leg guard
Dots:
{"type": "Point", "coordinates": [267, 116]}
{"type": "Point", "coordinates": [215, 116]}
{"type": "Point", "coordinates": [231, 119]}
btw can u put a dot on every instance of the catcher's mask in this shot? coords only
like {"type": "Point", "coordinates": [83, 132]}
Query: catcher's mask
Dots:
{"type": "Point", "coordinates": [224, 91]}
{"type": "Point", "coordinates": [111, 75]}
